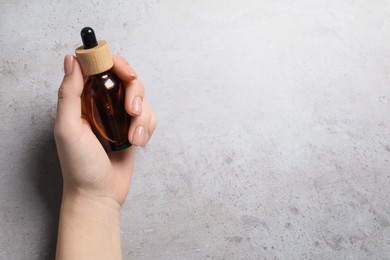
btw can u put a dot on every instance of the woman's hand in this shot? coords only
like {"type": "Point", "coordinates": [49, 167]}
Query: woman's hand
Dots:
{"type": "Point", "coordinates": [86, 168]}
{"type": "Point", "coordinates": [95, 183]}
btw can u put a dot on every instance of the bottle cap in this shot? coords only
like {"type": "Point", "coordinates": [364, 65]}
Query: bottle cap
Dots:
{"type": "Point", "coordinates": [94, 56]}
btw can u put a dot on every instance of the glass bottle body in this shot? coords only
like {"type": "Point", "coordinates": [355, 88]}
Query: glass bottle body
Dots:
{"type": "Point", "coordinates": [104, 106]}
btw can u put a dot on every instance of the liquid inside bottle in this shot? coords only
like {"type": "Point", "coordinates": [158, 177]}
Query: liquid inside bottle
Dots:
{"type": "Point", "coordinates": [103, 98]}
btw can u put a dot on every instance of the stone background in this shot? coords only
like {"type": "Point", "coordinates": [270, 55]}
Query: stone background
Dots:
{"type": "Point", "coordinates": [274, 127]}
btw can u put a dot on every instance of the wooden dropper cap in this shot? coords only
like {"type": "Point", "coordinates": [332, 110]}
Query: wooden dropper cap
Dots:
{"type": "Point", "coordinates": [94, 56]}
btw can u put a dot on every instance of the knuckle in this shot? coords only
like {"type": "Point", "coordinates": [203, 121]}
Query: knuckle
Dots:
{"type": "Point", "coordinates": [140, 88]}
{"type": "Point", "coordinates": [62, 92]}
{"type": "Point", "coordinates": [153, 122]}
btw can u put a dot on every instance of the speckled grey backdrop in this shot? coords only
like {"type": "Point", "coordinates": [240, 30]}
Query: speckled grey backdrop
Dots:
{"type": "Point", "coordinates": [274, 126]}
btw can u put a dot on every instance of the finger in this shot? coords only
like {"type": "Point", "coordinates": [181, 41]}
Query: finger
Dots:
{"type": "Point", "coordinates": [134, 90]}
{"type": "Point", "coordinates": [69, 95]}
{"type": "Point", "coordinates": [152, 125]}
{"type": "Point", "coordinates": [142, 127]}
{"type": "Point", "coordinates": [134, 96]}
{"type": "Point", "coordinates": [152, 121]}
{"type": "Point", "coordinates": [123, 69]}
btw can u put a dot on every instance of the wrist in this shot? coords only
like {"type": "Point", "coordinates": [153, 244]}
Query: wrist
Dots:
{"type": "Point", "coordinates": [80, 202]}
{"type": "Point", "coordinates": [89, 227]}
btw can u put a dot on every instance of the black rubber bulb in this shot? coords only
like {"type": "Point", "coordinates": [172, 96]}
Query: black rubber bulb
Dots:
{"type": "Point", "coordinates": [88, 37]}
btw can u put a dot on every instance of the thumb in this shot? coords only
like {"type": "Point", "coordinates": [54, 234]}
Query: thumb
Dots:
{"type": "Point", "coordinates": [69, 96]}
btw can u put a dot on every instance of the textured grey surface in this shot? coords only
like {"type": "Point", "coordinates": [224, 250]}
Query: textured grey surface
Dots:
{"type": "Point", "coordinates": [274, 127]}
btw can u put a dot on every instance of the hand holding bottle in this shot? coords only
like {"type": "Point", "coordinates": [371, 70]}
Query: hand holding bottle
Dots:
{"type": "Point", "coordinates": [85, 164]}
{"type": "Point", "coordinates": [95, 183]}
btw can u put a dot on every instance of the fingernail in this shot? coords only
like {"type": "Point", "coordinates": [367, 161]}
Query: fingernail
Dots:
{"type": "Point", "coordinates": [137, 106]}
{"type": "Point", "coordinates": [139, 136]}
{"type": "Point", "coordinates": [68, 65]}
{"type": "Point", "coordinates": [133, 76]}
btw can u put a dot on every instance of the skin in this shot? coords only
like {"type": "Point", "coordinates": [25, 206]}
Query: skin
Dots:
{"type": "Point", "coordinates": [95, 183]}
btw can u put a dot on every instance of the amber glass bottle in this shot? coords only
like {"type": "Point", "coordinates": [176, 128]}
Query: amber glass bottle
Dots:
{"type": "Point", "coordinates": [104, 94]}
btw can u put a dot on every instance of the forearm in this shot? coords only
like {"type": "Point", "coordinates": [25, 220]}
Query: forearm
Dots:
{"type": "Point", "coordinates": [89, 228]}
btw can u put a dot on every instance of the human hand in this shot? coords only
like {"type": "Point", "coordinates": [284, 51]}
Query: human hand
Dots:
{"type": "Point", "coordinates": [86, 168]}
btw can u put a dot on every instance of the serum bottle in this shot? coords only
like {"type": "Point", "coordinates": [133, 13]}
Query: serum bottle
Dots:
{"type": "Point", "coordinates": [103, 96]}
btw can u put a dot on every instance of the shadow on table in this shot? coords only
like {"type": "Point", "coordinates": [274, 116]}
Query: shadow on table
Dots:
{"type": "Point", "coordinates": [47, 180]}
